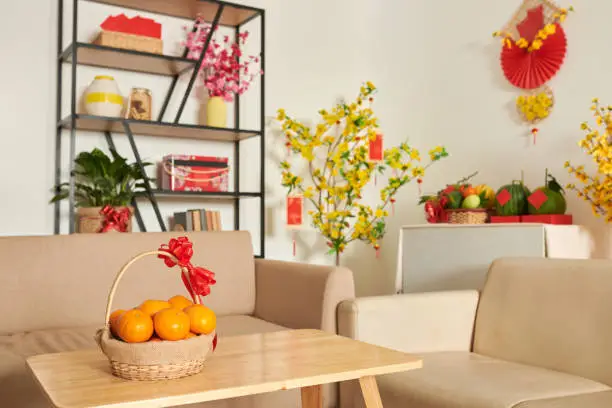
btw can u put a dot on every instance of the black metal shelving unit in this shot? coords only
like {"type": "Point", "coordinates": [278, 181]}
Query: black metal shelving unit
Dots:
{"type": "Point", "coordinates": [217, 13]}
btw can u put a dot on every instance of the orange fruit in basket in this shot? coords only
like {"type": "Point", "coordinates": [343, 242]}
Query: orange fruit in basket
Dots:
{"type": "Point", "coordinates": [113, 319]}
{"type": "Point", "coordinates": [202, 319]}
{"type": "Point", "coordinates": [135, 326]}
{"type": "Point", "coordinates": [171, 324]}
{"type": "Point", "coordinates": [179, 302]}
{"type": "Point", "coordinates": [190, 335]}
{"type": "Point", "coordinates": [155, 338]}
{"type": "Point", "coordinates": [151, 307]}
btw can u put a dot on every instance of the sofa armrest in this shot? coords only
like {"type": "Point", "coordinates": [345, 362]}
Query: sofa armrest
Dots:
{"type": "Point", "coordinates": [301, 296]}
{"type": "Point", "coordinates": [419, 322]}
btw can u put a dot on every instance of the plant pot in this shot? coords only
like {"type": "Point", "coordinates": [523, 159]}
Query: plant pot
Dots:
{"type": "Point", "coordinates": [89, 219]}
{"type": "Point", "coordinates": [216, 112]}
{"type": "Point", "coordinates": [103, 98]}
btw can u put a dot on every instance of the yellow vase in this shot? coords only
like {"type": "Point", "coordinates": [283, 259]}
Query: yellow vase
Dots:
{"type": "Point", "coordinates": [216, 112]}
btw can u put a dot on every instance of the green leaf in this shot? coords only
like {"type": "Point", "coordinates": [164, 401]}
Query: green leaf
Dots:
{"type": "Point", "coordinates": [554, 185]}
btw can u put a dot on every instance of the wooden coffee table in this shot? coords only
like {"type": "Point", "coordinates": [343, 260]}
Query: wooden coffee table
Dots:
{"type": "Point", "coordinates": [241, 365]}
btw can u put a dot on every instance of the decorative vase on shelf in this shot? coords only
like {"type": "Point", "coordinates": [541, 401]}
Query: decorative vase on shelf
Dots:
{"type": "Point", "coordinates": [216, 112]}
{"type": "Point", "coordinates": [103, 98]}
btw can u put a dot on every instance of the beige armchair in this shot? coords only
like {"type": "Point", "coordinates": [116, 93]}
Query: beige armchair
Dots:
{"type": "Point", "coordinates": [538, 336]}
{"type": "Point", "coordinates": [53, 293]}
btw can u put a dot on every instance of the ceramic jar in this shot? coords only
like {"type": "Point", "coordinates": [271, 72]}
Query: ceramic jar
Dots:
{"type": "Point", "coordinates": [216, 112]}
{"type": "Point", "coordinates": [103, 98]}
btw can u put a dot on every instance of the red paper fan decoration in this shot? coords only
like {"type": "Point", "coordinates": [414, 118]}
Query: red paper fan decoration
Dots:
{"type": "Point", "coordinates": [529, 70]}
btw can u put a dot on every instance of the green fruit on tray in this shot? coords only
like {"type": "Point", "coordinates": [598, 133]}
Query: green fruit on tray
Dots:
{"type": "Point", "coordinates": [471, 202]}
{"type": "Point", "coordinates": [555, 200]}
{"type": "Point", "coordinates": [517, 199]}
{"type": "Point", "coordinates": [454, 199]}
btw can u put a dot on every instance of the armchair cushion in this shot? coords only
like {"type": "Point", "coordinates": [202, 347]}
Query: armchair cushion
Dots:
{"type": "Point", "coordinates": [464, 379]}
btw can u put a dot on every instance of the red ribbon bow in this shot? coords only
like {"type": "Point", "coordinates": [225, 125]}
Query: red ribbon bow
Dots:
{"type": "Point", "coordinates": [197, 280]}
{"type": "Point", "coordinates": [114, 219]}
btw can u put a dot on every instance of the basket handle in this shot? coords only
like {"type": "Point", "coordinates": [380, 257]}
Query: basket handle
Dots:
{"type": "Point", "coordinates": [124, 269]}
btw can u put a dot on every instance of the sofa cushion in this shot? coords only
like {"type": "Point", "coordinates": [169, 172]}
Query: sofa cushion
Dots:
{"type": "Point", "coordinates": [593, 400]}
{"type": "Point", "coordinates": [462, 379]}
{"type": "Point", "coordinates": [551, 313]}
{"type": "Point", "coordinates": [18, 388]}
{"type": "Point", "coordinates": [70, 276]}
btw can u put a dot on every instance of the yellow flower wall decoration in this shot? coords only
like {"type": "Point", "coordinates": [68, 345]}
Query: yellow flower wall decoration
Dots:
{"type": "Point", "coordinates": [596, 189]}
{"type": "Point", "coordinates": [337, 154]}
{"type": "Point", "coordinates": [536, 106]}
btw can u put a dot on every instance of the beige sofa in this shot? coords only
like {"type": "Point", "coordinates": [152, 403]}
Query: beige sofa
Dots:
{"type": "Point", "coordinates": [538, 336]}
{"type": "Point", "coordinates": [53, 293]}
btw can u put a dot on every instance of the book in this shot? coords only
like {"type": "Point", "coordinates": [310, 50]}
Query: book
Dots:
{"type": "Point", "coordinates": [218, 219]}
{"type": "Point", "coordinates": [204, 223]}
{"type": "Point", "coordinates": [188, 222]}
{"type": "Point", "coordinates": [213, 216]}
{"type": "Point", "coordinates": [180, 221]}
{"type": "Point", "coordinates": [209, 221]}
{"type": "Point", "coordinates": [195, 218]}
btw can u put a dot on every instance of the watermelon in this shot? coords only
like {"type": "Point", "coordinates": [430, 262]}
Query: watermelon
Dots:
{"type": "Point", "coordinates": [517, 199]}
{"type": "Point", "coordinates": [555, 200]}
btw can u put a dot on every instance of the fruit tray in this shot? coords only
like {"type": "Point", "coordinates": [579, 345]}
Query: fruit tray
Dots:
{"type": "Point", "coordinates": [158, 360]}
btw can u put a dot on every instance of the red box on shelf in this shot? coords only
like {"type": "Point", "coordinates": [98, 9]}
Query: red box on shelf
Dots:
{"type": "Point", "coordinates": [505, 219]}
{"type": "Point", "coordinates": [194, 173]}
{"type": "Point", "coordinates": [557, 219]}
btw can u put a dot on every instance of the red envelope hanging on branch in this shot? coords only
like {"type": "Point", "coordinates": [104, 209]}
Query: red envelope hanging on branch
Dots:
{"type": "Point", "coordinates": [375, 148]}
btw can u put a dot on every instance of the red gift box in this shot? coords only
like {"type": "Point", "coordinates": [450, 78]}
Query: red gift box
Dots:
{"type": "Point", "coordinates": [504, 219]}
{"type": "Point", "coordinates": [194, 173]}
{"type": "Point", "coordinates": [557, 219]}
{"type": "Point", "coordinates": [145, 27]}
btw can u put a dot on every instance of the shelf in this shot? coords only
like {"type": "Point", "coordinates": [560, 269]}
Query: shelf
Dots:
{"type": "Point", "coordinates": [160, 129]}
{"type": "Point", "coordinates": [213, 195]}
{"type": "Point", "coordinates": [233, 14]}
{"type": "Point", "coordinates": [136, 61]}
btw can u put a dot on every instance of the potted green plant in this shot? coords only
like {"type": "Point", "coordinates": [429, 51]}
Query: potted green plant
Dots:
{"type": "Point", "coordinates": [102, 182]}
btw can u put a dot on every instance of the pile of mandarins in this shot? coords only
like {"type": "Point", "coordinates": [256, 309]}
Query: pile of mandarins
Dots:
{"type": "Point", "coordinates": [156, 320]}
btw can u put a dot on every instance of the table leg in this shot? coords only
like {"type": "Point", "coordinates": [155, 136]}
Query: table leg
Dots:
{"type": "Point", "coordinates": [312, 397]}
{"type": "Point", "coordinates": [369, 389]}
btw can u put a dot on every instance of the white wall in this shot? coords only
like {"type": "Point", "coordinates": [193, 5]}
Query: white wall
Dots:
{"type": "Point", "coordinates": [435, 64]}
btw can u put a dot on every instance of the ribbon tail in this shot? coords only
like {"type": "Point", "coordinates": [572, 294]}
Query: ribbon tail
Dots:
{"type": "Point", "coordinates": [187, 283]}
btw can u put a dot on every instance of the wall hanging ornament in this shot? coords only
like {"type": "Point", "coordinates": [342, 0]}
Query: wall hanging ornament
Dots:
{"type": "Point", "coordinates": [534, 47]}
{"type": "Point", "coordinates": [535, 106]}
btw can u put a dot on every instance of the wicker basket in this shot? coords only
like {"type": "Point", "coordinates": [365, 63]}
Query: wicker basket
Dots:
{"type": "Point", "coordinates": [162, 360]}
{"type": "Point", "coordinates": [476, 216]}
{"type": "Point", "coordinates": [129, 42]}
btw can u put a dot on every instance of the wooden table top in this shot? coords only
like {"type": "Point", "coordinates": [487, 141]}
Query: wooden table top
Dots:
{"type": "Point", "coordinates": [241, 365]}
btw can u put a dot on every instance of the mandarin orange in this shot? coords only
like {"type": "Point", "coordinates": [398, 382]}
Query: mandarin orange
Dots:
{"type": "Point", "coordinates": [202, 319]}
{"type": "Point", "coordinates": [171, 324]}
{"type": "Point", "coordinates": [113, 319]}
{"type": "Point", "coordinates": [179, 302]}
{"type": "Point", "coordinates": [135, 326]}
{"type": "Point", "coordinates": [151, 307]}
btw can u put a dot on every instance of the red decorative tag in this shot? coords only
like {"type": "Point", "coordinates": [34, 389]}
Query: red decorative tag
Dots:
{"type": "Point", "coordinates": [537, 199]}
{"type": "Point", "coordinates": [503, 197]}
{"type": "Point", "coordinates": [375, 150]}
{"type": "Point", "coordinates": [295, 207]}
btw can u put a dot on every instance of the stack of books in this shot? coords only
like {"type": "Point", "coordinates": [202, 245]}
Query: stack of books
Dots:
{"type": "Point", "coordinates": [197, 220]}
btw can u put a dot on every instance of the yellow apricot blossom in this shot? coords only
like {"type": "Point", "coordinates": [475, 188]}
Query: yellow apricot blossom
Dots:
{"type": "Point", "coordinates": [337, 154]}
{"type": "Point", "coordinates": [596, 189]}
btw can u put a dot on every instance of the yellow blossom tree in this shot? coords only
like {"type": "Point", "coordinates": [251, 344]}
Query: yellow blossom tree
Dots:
{"type": "Point", "coordinates": [337, 155]}
{"type": "Point", "coordinates": [596, 189]}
